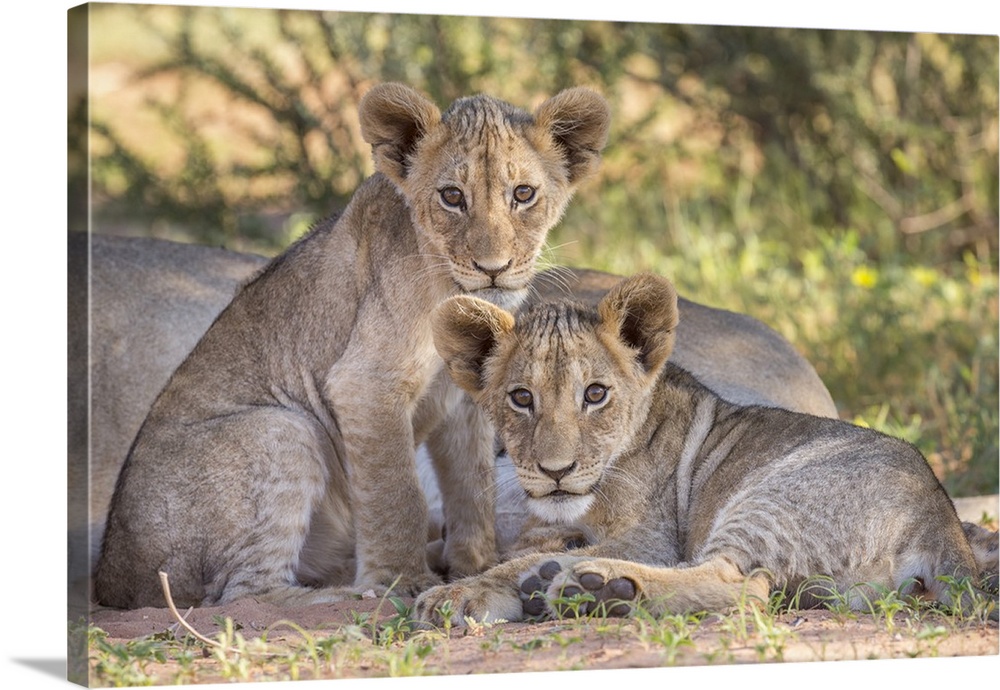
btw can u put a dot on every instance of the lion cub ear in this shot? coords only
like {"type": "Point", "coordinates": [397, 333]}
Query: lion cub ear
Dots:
{"type": "Point", "coordinates": [465, 331]}
{"type": "Point", "coordinates": [394, 117]}
{"type": "Point", "coordinates": [641, 313]}
{"type": "Point", "coordinates": [578, 119]}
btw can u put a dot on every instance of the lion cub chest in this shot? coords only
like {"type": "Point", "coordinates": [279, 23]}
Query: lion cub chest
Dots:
{"type": "Point", "coordinates": [387, 378]}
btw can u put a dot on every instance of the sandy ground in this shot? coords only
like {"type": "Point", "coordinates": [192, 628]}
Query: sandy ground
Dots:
{"type": "Point", "coordinates": [564, 645]}
{"type": "Point", "coordinates": [560, 645]}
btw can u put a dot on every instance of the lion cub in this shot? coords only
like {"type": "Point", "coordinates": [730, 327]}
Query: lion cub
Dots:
{"type": "Point", "coordinates": [688, 502]}
{"type": "Point", "coordinates": [278, 461]}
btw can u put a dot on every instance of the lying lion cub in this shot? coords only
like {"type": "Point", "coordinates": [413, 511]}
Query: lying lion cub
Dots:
{"type": "Point", "coordinates": [278, 461]}
{"type": "Point", "coordinates": [689, 502]}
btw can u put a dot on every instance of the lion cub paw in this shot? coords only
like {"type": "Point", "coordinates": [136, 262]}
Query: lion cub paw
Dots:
{"type": "Point", "coordinates": [406, 585]}
{"type": "Point", "coordinates": [575, 586]}
{"type": "Point", "coordinates": [473, 598]}
{"type": "Point", "coordinates": [464, 560]}
{"type": "Point", "coordinates": [550, 539]}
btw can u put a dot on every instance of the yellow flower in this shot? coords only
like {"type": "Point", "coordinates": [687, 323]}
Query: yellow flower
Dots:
{"type": "Point", "coordinates": [864, 277]}
{"type": "Point", "coordinates": [924, 276]}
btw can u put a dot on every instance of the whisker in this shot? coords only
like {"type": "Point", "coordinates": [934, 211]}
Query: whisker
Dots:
{"type": "Point", "coordinates": [560, 271]}
{"type": "Point", "coordinates": [507, 485]}
{"type": "Point", "coordinates": [615, 473]}
{"type": "Point", "coordinates": [555, 278]}
{"type": "Point", "coordinates": [435, 270]}
{"type": "Point", "coordinates": [562, 278]}
{"type": "Point", "coordinates": [551, 249]}
{"type": "Point", "coordinates": [602, 497]}
{"type": "Point", "coordinates": [533, 294]}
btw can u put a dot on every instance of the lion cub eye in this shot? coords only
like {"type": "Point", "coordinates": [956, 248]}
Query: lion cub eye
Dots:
{"type": "Point", "coordinates": [524, 193]}
{"type": "Point", "coordinates": [521, 398]}
{"type": "Point", "coordinates": [595, 394]}
{"type": "Point", "coordinates": [453, 197]}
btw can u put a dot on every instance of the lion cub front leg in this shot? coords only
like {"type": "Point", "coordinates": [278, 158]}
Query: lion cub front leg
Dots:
{"type": "Point", "coordinates": [389, 507]}
{"type": "Point", "coordinates": [576, 586]}
{"type": "Point", "coordinates": [501, 593]}
{"type": "Point", "coordinates": [488, 597]}
{"type": "Point", "coordinates": [462, 449]}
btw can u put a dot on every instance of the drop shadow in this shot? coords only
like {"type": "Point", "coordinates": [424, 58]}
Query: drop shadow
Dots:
{"type": "Point", "coordinates": [50, 667]}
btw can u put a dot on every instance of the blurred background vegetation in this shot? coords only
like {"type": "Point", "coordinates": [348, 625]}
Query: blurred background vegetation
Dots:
{"type": "Point", "coordinates": [841, 186]}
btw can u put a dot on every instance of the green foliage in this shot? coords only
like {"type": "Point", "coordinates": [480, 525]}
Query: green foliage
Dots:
{"type": "Point", "coordinates": [411, 660]}
{"type": "Point", "coordinates": [395, 628]}
{"type": "Point", "coordinates": [124, 664]}
{"type": "Point", "coordinates": [755, 631]}
{"type": "Point", "coordinates": [890, 603]}
{"type": "Point", "coordinates": [669, 633]}
{"type": "Point", "coordinates": [841, 186]}
{"type": "Point", "coordinates": [234, 653]}
{"type": "Point", "coordinates": [904, 347]}
{"type": "Point", "coordinates": [573, 605]}
{"type": "Point", "coordinates": [768, 131]}
{"type": "Point", "coordinates": [969, 602]}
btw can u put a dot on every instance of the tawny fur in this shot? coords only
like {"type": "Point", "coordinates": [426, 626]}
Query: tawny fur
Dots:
{"type": "Point", "coordinates": [278, 461]}
{"type": "Point", "coordinates": [695, 501]}
{"type": "Point", "coordinates": [151, 301]}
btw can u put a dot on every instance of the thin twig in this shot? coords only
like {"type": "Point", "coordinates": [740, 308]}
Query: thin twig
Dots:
{"type": "Point", "coordinates": [176, 626]}
{"type": "Point", "coordinates": [173, 609]}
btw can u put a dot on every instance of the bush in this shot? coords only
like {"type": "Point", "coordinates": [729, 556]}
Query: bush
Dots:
{"type": "Point", "coordinates": [839, 185]}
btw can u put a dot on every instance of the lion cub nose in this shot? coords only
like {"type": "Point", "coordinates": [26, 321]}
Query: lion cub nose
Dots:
{"type": "Point", "coordinates": [492, 268]}
{"type": "Point", "coordinates": [558, 473]}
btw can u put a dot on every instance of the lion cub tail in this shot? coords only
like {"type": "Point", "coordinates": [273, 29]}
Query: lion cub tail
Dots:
{"type": "Point", "coordinates": [976, 587]}
{"type": "Point", "coordinates": [984, 549]}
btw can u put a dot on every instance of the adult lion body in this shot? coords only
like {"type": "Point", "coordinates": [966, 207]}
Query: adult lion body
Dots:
{"type": "Point", "coordinates": [278, 461]}
{"type": "Point", "coordinates": [686, 501]}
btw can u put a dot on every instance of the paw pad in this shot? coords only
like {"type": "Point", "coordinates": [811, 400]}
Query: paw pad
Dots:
{"type": "Point", "coordinates": [607, 597]}
{"type": "Point", "coordinates": [549, 570]}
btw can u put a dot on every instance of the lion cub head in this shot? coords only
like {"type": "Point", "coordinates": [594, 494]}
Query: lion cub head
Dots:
{"type": "Point", "coordinates": [566, 385]}
{"type": "Point", "coordinates": [485, 181]}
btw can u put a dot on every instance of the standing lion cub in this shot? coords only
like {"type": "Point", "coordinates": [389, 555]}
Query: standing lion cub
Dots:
{"type": "Point", "coordinates": [278, 461]}
{"type": "Point", "coordinates": [688, 502]}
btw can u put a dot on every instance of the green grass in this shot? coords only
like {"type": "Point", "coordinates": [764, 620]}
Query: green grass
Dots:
{"type": "Point", "coordinates": [906, 348]}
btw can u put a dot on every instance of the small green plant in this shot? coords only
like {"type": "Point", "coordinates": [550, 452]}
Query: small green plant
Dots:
{"type": "Point", "coordinates": [822, 590]}
{"type": "Point", "coordinates": [531, 645]}
{"type": "Point", "coordinates": [221, 621]}
{"type": "Point", "coordinates": [969, 602]}
{"type": "Point", "coordinates": [771, 635]}
{"type": "Point", "coordinates": [186, 671]}
{"type": "Point", "coordinates": [573, 605]}
{"type": "Point", "coordinates": [564, 641]}
{"type": "Point", "coordinates": [755, 622]}
{"type": "Point", "coordinates": [309, 648]}
{"type": "Point", "coordinates": [494, 643]}
{"type": "Point", "coordinates": [747, 604]}
{"type": "Point", "coordinates": [932, 635]}
{"type": "Point", "coordinates": [447, 612]}
{"type": "Point", "coordinates": [476, 627]}
{"type": "Point", "coordinates": [669, 633]}
{"type": "Point", "coordinates": [411, 660]}
{"type": "Point", "coordinates": [890, 603]}
{"type": "Point", "coordinates": [125, 664]}
{"type": "Point", "coordinates": [232, 652]}
{"type": "Point", "coordinates": [396, 628]}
